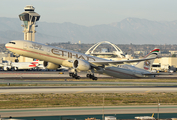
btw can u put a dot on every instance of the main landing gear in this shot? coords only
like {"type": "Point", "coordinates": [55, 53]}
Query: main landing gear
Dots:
{"type": "Point", "coordinates": [91, 76]}
{"type": "Point", "coordinates": [74, 75]}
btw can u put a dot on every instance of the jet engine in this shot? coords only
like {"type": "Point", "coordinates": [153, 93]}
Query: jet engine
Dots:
{"type": "Point", "coordinates": [50, 65]}
{"type": "Point", "coordinates": [81, 65]}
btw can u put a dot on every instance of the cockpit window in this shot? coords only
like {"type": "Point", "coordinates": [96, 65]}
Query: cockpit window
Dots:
{"type": "Point", "coordinates": [12, 42]}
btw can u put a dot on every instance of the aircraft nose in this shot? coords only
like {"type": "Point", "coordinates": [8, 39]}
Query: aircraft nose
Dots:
{"type": "Point", "coordinates": [7, 45]}
{"type": "Point", "coordinates": [10, 45]}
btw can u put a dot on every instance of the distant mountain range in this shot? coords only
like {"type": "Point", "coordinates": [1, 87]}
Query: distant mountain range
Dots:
{"type": "Point", "coordinates": [129, 30]}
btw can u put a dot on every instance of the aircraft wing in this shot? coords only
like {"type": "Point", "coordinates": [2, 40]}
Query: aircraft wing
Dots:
{"type": "Point", "coordinates": [158, 74]}
{"type": "Point", "coordinates": [120, 61]}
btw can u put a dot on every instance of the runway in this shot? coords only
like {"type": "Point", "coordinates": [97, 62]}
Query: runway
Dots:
{"type": "Point", "coordinates": [60, 75]}
{"type": "Point", "coordinates": [42, 75]}
{"type": "Point", "coordinates": [67, 86]}
{"type": "Point", "coordinates": [87, 110]}
{"type": "Point", "coordinates": [59, 90]}
{"type": "Point", "coordinates": [78, 87]}
{"type": "Point", "coordinates": [91, 82]}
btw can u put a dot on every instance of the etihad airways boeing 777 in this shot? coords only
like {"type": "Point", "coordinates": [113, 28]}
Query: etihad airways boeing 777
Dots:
{"type": "Point", "coordinates": [55, 57]}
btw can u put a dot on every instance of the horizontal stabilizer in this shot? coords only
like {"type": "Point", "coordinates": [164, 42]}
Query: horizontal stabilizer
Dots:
{"type": "Point", "coordinates": [158, 74]}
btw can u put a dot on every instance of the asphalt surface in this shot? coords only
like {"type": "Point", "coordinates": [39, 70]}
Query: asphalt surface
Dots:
{"type": "Point", "coordinates": [87, 110]}
{"type": "Point", "coordinates": [59, 90]}
{"type": "Point", "coordinates": [94, 87]}
{"type": "Point", "coordinates": [75, 86]}
{"type": "Point", "coordinates": [91, 82]}
{"type": "Point", "coordinates": [43, 75]}
{"type": "Point", "coordinates": [59, 75]}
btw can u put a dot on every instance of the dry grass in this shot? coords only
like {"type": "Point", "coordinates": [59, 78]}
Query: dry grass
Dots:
{"type": "Point", "coordinates": [87, 99]}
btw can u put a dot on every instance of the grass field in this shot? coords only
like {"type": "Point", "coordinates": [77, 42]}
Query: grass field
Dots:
{"type": "Point", "coordinates": [10, 101]}
{"type": "Point", "coordinates": [87, 99]}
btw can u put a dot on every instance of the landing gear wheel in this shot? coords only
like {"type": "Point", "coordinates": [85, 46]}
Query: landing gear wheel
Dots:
{"type": "Point", "coordinates": [88, 75]}
{"type": "Point", "coordinates": [16, 69]}
{"type": "Point", "coordinates": [77, 77]}
{"type": "Point", "coordinates": [16, 60]}
{"type": "Point", "coordinates": [74, 75]}
{"type": "Point", "coordinates": [8, 69]}
{"type": "Point", "coordinates": [94, 78]}
{"type": "Point", "coordinates": [71, 74]}
{"type": "Point", "coordinates": [91, 76]}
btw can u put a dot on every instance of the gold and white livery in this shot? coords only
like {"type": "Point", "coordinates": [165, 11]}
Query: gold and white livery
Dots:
{"type": "Point", "coordinates": [55, 57]}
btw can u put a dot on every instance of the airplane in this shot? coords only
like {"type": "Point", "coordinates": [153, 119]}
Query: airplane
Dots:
{"type": "Point", "coordinates": [8, 65]}
{"type": "Point", "coordinates": [146, 117]}
{"type": "Point", "coordinates": [24, 65]}
{"type": "Point", "coordinates": [55, 57]}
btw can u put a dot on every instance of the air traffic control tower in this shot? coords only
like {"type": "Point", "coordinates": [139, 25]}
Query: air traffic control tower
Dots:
{"type": "Point", "coordinates": [29, 18]}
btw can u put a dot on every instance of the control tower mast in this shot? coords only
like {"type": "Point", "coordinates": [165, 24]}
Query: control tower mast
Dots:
{"type": "Point", "coordinates": [29, 18]}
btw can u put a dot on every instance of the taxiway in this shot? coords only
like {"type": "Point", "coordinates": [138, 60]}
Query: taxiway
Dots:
{"type": "Point", "coordinates": [59, 90]}
{"type": "Point", "coordinates": [87, 110]}
{"type": "Point", "coordinates": [60, 75]}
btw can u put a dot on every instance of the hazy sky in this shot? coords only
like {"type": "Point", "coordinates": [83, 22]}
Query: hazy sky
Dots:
{"type": "Point", "coordinates": [93, 12]}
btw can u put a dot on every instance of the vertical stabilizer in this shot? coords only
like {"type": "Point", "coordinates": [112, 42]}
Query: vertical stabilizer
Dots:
{"type": "Point", "coordinates": [146, 65]}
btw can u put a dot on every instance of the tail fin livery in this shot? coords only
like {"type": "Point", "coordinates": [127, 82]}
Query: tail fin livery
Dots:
{"type": "Point", "coordinates": [146, 65]}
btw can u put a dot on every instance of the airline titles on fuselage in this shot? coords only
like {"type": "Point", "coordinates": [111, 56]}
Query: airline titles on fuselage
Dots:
{"type": "Point", "coordinates": [71, 55]}
{"type": "Point", "coordinates": [63, 53]}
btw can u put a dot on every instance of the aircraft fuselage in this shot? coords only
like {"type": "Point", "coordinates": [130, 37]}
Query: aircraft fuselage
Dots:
{"type": "Point", "coordinates": [65, 58]}
{"type": "Point", "coordinates": [126, 72]}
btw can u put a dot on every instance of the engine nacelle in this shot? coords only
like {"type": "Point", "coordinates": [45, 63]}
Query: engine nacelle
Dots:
{"type": "Point", "coordinates": [50, 65]}
{"type": "Point", "coordinates": [81, 65]}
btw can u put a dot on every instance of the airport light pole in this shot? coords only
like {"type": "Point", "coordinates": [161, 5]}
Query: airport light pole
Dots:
{"type": "Point", "coordinates": [158, 110]}
{"type": "Point", "coordinates": [103, 108]}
